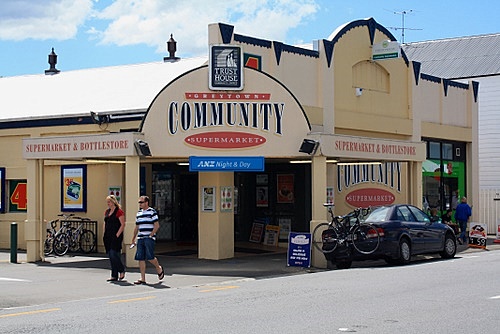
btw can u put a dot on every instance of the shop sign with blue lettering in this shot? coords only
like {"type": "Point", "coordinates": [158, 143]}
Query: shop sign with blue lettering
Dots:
{"type": "Point", "coordinates": [299, 249]}
{"type": "Point", "coordinates": [226, 164]}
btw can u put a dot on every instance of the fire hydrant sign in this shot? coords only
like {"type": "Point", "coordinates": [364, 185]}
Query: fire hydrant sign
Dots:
{"type": "Point", "coordinates": [299, 249]}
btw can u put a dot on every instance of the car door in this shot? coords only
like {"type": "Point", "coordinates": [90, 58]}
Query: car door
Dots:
{"type": "Point", "coordinates": [432, 233]}
{"type": "Point", "coordinates": [415, 228]}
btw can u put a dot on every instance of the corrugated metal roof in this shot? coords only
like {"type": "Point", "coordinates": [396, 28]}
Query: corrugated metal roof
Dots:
{"type": "Point", "coordinates": [73, 93]}
{"type": "Point", "coordinates": [455, 58]}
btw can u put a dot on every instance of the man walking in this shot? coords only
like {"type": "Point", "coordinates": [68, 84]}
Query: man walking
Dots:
{"type": "Point", "coordinates": [462, 214]}
{"type": "Point", "coordinates": [146, 226]}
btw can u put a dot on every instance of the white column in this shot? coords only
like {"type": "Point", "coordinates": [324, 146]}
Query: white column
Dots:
{"type": "Point", "coordinates": [33, 226]}
{"type": "Point", "coordinates": [132, 188]}
{"type": "Point", "coordinates": [319, 182]}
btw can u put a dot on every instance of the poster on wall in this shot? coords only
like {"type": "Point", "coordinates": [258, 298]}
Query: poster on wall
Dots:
{"type": "Point", "coordinates": [330, 195]}
{"type": "Point", "coordinates": [18, 195]}
{"type": "Point", "coordinates": [2, 189]}
{"type": "Point", "coordinates": [285, 188]}
{"type": "Point", "coordinates": [74, 188]}
{"type": "Point", "coordinates": [262, 199]}
{"type": "Point", "coordinates": [117, 192]}
{"type": "Point", "coordinates": [226, 199]}
{"type": "Point", "coordinates": [208, 199]}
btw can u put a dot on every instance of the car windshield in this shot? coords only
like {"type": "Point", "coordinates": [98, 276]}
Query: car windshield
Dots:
{"type": "Point", "coordinates": [377, 215]}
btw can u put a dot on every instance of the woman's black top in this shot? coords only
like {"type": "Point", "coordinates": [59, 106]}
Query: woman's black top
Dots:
{"type": "Point", "coordinates": [111, 226]}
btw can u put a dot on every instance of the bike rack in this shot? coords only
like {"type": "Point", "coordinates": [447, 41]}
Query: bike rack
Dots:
{"type": "Point", "coordinates": [87, 225]}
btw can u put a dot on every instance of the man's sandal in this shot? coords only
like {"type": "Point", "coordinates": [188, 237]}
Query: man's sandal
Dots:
{"type": "Point", "coordinates": [138, 282]}
{"type": "Point", "coordinates": [162, 274]}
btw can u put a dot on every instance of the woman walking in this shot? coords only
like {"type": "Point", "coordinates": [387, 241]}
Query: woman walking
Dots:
{"type": "Point", "coordinates": [114, 225]}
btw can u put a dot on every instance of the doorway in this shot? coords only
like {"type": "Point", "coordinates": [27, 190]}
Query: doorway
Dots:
{"type": "Point", "coordinates": [188, 207]}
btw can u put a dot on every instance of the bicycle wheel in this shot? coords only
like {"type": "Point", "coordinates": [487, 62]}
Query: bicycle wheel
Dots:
{"type": "Point", "coordinates": [87, 241]}
{"type": "Point", "coordinates": [325, 238]}
{"type": "Point", "coordinates": [48, 244]}
{"type": "Point", "coordinates": [365, 238]}
{"type": "Point", "coordinates": [61, 244]}
{"type": "Point", "coordinates": [74, 245]}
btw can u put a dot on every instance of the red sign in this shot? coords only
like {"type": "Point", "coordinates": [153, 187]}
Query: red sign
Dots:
{"type": "Point", "coordinates": [366, 197]}
{"type": "Point", "coordinates": [225, 139]}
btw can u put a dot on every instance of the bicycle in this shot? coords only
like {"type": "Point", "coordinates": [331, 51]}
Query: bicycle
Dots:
{"type": "Point", "coordinates": [345, 231]}
{"type": "Point", "coordinates": [61, 241]}
{"type": "Point", "coordinates": [81, 239]}
{"type": "Point", "coordinates": [48, 245]}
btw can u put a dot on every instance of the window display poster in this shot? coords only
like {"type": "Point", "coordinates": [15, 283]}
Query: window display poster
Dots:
{"type": "Point", "coordinates": [271, 235]}
{"type": "Point", "coordinates": [256, 232]}
{"type": "Point", "coordinates": [226, 199]}
{"type": "Point", "coordinates": [73, 183]}
{"type": "Point", "coordinates": [261, 179]}
{"type": "Point", "coordinates": [262, 199]}
{"type": "Point", "coordinates": [117, 192]}
{"type": "Point", "coordinates": [285, 225]}
{"type": "Point", "coordinates": [285, 188]}
{"type": "Point", "coordinates": [208, 199]}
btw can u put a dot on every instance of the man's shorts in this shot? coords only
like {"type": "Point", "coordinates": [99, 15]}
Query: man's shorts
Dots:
{"type": "Point", "coordinates": [145, 249]}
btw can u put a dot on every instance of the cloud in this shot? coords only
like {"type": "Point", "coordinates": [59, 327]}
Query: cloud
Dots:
{"type": "Point", "coordinates": [41, 20]}
{"type": "Point", "coordinates": [150, 22]}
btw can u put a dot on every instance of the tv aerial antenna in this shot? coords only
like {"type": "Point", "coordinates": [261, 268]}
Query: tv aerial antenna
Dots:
{"type": "Point", "coordinates": [403, 28]}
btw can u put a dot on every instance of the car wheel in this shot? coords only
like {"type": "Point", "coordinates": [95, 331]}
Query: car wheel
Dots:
{"type": "Point", "coordinates": [344, 264]}
{"type": "Point", "coordinates": [404, 252]}
{"type": "Point", "coordinates": [450, 247]}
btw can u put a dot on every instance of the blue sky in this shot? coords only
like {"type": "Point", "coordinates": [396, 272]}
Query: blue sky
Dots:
{"type": "Point", "coordinates": [97, 33]}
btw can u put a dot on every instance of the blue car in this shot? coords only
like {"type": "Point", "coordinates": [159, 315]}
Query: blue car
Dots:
{"type": "Point", "coordinates": [404, 231]}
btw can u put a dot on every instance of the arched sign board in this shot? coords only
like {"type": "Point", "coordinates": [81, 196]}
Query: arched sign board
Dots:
{"type": "Point", "coordinates": [187, 119]}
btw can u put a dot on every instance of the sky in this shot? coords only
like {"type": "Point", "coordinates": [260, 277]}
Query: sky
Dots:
{"type": "Point", "coordinates": [98, 33]}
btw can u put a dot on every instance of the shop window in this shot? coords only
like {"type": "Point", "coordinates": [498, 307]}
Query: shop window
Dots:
{"type": "Point", "coordinates": [434, 150]}
{"type": "Point", "coordinates": [447, 151]}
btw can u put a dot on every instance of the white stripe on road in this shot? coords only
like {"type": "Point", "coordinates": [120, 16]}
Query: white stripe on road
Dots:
{"type": "Point", "coordinates": [8, 279]}
{"type": "Point", "coordinates": [495, 297]}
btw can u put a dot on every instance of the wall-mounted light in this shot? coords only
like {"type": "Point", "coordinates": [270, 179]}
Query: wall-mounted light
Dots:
{"type": "Point", "coordinates": [142, 148]}
{"type": "Point", "coordinates": [300, 161]}
{"type": "Point", "coordinates": [309, 146]}
{"type": "Point", "coordinates": [99, 119]}
{"type": "Point", "coordinates": [359, 163]}
{"type": "Point", "coordinates": [309, 161]}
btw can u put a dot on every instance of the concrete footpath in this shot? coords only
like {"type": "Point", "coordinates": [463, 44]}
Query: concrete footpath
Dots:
{"type": "Point", "coordinates": [60, 279]}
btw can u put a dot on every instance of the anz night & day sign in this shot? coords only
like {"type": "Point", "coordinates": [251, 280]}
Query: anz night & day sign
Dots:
{"type": "Point", "coordinates": [226, 164]}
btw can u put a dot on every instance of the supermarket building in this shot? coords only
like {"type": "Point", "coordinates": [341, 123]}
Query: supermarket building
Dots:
{"type": "Point", "coordinates": [258, 131]}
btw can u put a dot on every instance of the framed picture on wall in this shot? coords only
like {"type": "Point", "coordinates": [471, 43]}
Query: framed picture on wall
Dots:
{"type": "Point", "coordinates": [262, 199]}
{"type": "Point", "coordinates": [208, 199]}
{"type": "Point", "coordinates": [285, 188]}
{"type": "Point", "coordinates": [74, 188]}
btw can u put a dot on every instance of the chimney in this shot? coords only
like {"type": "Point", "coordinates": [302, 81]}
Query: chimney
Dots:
{"type": "Point", "coordinates": [171, 48]}
{"type": "Point", "coordinates": [52, 62]}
